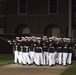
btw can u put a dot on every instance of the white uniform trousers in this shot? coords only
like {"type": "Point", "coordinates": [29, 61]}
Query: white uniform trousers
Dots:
{"type": "Point", "coordinates": [69, 58]}
{"type": "Point", "coordinates": [51, 59]}
{"type": "Point", "coordinates": [35, 57]}
{"type": "Point", "coordinates": [60, 58]}
{"type": "Point", "coordinates": [20, 56]}
{"type": "Point", "coordinates": [38, 59]}
{"type": "Point", "coordinates": [64, 58]}
{"type": "Point", "coordinates": [45, 58]}
{"type": "Point", "coordinates": [26, 59]}
{"type": "Point", "coordinates": [15, 56]}
{"type": "Point", "coordinates": [32, 55]}
{"type": "Point", "coordinates": [55, 57]}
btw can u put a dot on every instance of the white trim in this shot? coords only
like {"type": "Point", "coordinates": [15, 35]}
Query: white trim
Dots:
{"type": "Point", "coordinates": [18, 9]}
{"type": "Point", "coordinates": [49, 6]}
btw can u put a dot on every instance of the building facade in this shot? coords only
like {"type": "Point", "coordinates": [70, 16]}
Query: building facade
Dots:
{"type": "Point", "coordinates": [36, 17]}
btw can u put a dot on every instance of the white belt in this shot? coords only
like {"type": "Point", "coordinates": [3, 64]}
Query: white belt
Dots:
{"type": "Point", "coordinates": [45, 46]}
{"type": "Point", "coordinates": [70, 47]}
{"type": "Point", "coordinates": [39, 47]}
{"type": "Point", "coordinates": [59, 47]}
{"type": "Point", "coordinates": [25, 46]}
{"type": "Point", "coordinates": [51, 47]}
{"type": "Point", "coordinates": [65, 47]}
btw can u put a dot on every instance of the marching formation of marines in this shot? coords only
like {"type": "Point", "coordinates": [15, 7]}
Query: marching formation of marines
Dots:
{"type": "Point", "coordinates": [42, 50]}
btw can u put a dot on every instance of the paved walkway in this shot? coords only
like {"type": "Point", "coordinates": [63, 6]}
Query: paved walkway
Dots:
{"type": "Point", "coordinates": [15, 69]}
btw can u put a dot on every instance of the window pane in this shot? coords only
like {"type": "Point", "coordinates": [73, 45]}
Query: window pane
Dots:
{"type": "Point", "coordinates": [73, 2]}
{"type": "Point", "coordinates": [53, 6]}
{"type": "Point", "coordinates": [53, 9]}
{"type": "Point", "coordinates": [74, 9]}
{"type": "Point", "coordinates": [22, 6]}
{"type": "Point", "coordinates": [53, 2]}
{"type": "Point", "coordinates": [22, 2]}
{"type": "Point", "coordinates": [74, 6]}
{"type": "Point", "coordinates": [22, 10]}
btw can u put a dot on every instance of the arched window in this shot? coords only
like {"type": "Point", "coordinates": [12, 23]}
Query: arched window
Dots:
{"type": "Point", "coordinates": [26, 30]}
{"type": "Point", "coordinates": [22, 29]}
{"type": "Point", "coordinates": [56, 32]}
{"type": "Point", "coordinates": [52, 30]}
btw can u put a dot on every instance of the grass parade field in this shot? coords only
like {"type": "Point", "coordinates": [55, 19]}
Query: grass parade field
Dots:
{"type": "Point", "coordinates": [71, 70]}
{"type": "Point", "coordinates": [6, 59]}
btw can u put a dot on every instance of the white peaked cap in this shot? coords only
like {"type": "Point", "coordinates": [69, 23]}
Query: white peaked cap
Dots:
{"type": "Point", "coordinates": [50, 38]}
{"type": "Point", "coordinates": [44, 36]}
{"type": "Point", "coordinates": [17, 37]}
{"type": "Point", "coordinates": [9, 41]}
{"type": "Point", "coordinates": [33, 36]}
{"type": "Point", "coordinates": [64, 38]}
{"type": "Point", "coordinates": [26, 36]}
{"type": "Point", "coordinates": [59, 38]}
{"type": "Point", "coordinates": [53, 37]}
{"type": "Point", "coordinates": [38, 37]}
{"type": "Point", "coordinates": [68, 38]}
{"type": "Point", "coordinates": [29, 37]}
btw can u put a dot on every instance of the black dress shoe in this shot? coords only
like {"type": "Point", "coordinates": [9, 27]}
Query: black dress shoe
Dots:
{"type": "Point", "coordinates": [60, 64]}
{"type": "Point", "coordinates": [41, 65]}
{"type": "Point", "coordinates": [30, 64]}
{"type": "Point", "coordinates": [50, 65]}
{"type": "Point", "coordinates": [23, 64]}
{"type": "Point", "coordinates": [69, 63]}
{"type": "Point", "coordinates": [64, 65]}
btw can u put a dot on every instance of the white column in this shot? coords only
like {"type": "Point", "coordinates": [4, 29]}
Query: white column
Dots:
{"type": "Point", "coordinates": [70, 19]}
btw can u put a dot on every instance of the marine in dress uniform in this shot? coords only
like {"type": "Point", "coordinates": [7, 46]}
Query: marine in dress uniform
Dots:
{"type": "Point", "coordinates": [16, 50]}
{"type": "Point", "coordinates": [39, 51]}
{"type": "Point", "coordinates": [55, 39]}
{"type": "Point", "coordinates": [65, 51]}
{"type": "Point", "coordinates": [23, 50]}
{"type": "Point", "coordinates": [27, 46]}
{"type": "Point", "coordinates": [31, 51]}
{"type": "Point", "coordinates": [19, 51]}
{"type": "Point", "coordinates": [34, 49]}
{"type": "Point", "coordinates": [51, 52]}
{"type": "Point", "coordinates": [45, 50]}
{"type": "Point", "coordinates": [70, 48]}
{"type": "Point", "coordinates": [60, 50]}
